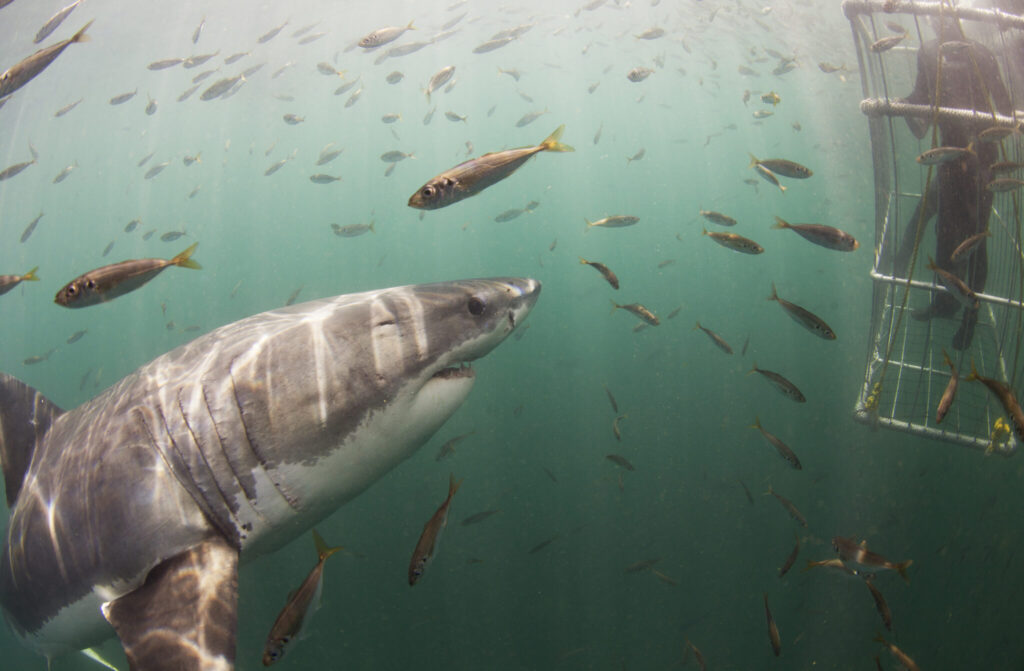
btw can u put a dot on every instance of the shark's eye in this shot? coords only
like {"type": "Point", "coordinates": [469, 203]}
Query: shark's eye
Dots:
{"type": "Point", "coordinates": [476, 306]}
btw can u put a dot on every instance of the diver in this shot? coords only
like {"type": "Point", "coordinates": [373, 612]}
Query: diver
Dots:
{"type": "Point", "coordinates": [957, 194]}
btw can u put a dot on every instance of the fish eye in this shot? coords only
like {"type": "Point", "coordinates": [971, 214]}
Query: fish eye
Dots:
{"type": "Point", "coordinates": [428, 191]}
{"type": "Point", "coordinates": [72, 289]}
{"type": "Point", "coordinates": [476, 306]}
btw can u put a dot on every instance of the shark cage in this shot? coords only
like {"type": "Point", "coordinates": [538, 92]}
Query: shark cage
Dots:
{"type": "Point", "coordinates": [982, 325]}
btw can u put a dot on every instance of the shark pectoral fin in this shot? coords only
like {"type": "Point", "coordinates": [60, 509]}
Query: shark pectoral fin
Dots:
{"type": "Point", "coordinates": [185, 615]}
{"type": "Point", "coordinates": [25, 415]}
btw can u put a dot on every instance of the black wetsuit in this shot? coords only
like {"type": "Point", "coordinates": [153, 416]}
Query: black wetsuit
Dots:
{"type": "Point", "coordinates": [960, 197]}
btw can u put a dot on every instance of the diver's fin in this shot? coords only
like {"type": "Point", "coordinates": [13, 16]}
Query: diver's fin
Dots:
{"type": "Point", "coordinates": [185, 615]}
{"type": "Point", "coordinates": [25, 415]}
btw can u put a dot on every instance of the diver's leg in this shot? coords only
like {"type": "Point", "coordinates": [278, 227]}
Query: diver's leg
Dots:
{"type": "Point", "coordinates": [977, 267]}
{"type": "Point", "coordinates": [930, 203]}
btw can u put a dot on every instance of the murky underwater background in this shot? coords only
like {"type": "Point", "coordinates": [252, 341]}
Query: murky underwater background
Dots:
{"type": "Point", "coordinates": [541, 421]}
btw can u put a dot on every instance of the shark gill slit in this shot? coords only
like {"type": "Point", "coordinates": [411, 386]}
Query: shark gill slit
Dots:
{"type": "Point", "coordinates": [260, 458]}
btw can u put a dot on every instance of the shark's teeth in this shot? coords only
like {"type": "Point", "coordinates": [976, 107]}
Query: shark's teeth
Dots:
{"type": "Point", "coordinates": [462, 370]}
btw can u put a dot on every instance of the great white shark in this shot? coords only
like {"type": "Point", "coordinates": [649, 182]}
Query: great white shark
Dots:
{"type": "Point", "coordinates": [134, 510]}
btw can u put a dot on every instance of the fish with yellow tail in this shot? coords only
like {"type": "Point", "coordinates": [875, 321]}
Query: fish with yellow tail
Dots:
{"type": "Point", "coordinates": [638, 311]}
{"type": "Point", "coordinates": [789, 506]}
{"type": "Point", "coordinates": [470, 178]}
{"type": "Point", "coordinates": [956, 286]}
{"type": "Point", "coordinates": [946, 402]}
{"type": "Point", "coordinates": [715, 338]}
{"type": "Point", "coordinates": [850, 550]}
{"type": "Point", "coordinates": [773, 630]}
{"type": "Point", "coordinates": [8, 282]}
{"type": "Point", "coordinates": [300, 606]}
{"type": "Point", "coordinates": [735, 242]}
{"type": "Point", "coordinates": [614, 221]}
{"type": "Point", "coordinates": [966, 248]}
{"type": "Point", "coordinates": [25, 71]}
{"type": "Point", "coordinates": [777, 443]}
{"type": "Point", "coordinates": [109, 282]}
{"type": "Point", "coordinates": [880, 604]}
{"type": "Point", "coordinates": [605, 271]}
{"type": "Point", "coordinates": [427, 544]}
{"type": "Point", "coordinates": [821, 235]}
{"type": "Point", "coordinates": [1005, 396]}
{"type": "Point", "coordinates": [697, 655]}
{"type": "Point", "coordinates": [803, 317]}
{"type": "Point", "coordinates": [901, 656]}
{"type": "Point", "coordinates": [782, 166]}
{"type": "Point", "coordinates": [785, 387]}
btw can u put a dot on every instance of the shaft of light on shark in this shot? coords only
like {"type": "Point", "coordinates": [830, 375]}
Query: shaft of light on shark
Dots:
{"type": "Point", "coordinates": [221, 450]}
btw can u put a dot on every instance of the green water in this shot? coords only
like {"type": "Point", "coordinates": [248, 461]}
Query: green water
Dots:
{"type": "Point", "coordinates": [539, 403]}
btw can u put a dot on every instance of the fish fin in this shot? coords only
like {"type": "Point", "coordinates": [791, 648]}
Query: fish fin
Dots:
{"type": "Point", "coordinates": [946, 359]}
{"type": "Point", "coordinates": [753, 161]}
{"type": "Point", "coordinates": [410, 26]}
{"type": "Point", "coordinates": [35, 154]}
{"type": "Point", "coordinates": [551, 142]}
{"type": "Point", "coordinates": [703, 230]}
{"type": "Point", "coordinates": [80, 36]}
{"type": "Point", "coordinates": [453, 485]}
{"type": "Point", "coordinates": [757, 425]}
{"type": "Point", "coordinates": [322, 550]}
{"type": "Point", "coordinates": [781, 223]}
{"type": "Point", "coordinates": [902, 567]}
{"type": "Point", "coordinates": [974, 373]}
{"type": "Point", "coordinates": [752, 370]}
{"type": "Point", "coordinates": [185, 615]}
{"type": "Point", "coordinates": [588, 225]}
{"type": "Point", "coordinates": [584, 262]}
{"type": "Point", "coordinates": [615, 306]}
{"type": "Point", "coordinates": [96, 657]}
{"type": "Point", "coordinates": [782, 189]}
{"type": "Point", "coordinates": [30, 276]}
{"type": "Point", "coordinates": [25, 416]}
{"type": "Point", "coordinates": [184, 259]}
{"type": "Point", "coordinates": [372, 230]}
{"type": "Point", "coordinates": [697, 326]}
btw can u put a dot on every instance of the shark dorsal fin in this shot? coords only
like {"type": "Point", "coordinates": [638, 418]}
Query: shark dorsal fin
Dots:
{"type": "Point", "coordinates": [185, 615]}
{"type": "Point", "coordinates": [25, 416]}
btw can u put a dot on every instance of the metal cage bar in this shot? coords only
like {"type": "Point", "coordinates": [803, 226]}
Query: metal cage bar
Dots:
{"type": "Point", "coordinates": [908, 350]}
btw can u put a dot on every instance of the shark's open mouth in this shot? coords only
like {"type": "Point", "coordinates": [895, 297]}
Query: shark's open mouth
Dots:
{"type": "Point", "coordinates": [463, 370]}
